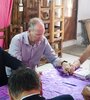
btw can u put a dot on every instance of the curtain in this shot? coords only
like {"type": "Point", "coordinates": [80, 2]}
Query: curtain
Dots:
{"type": "Point", "coordinates": [5, 15]}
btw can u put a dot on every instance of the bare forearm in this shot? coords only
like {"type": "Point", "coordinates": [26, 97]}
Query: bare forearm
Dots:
{"type": "Point", "coordinates": [76, 64]}
{"type": "Point", "coordinates": [85, 55]}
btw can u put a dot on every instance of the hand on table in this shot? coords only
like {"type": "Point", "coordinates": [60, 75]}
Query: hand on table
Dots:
{"type": "Point", "coordinates": [66, 67]}
{"type": "Point", "coordinates": [74, 66]}
{"type": "Point", "coordinates": [70, 68]}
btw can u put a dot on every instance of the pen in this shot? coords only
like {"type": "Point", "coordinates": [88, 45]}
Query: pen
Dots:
{"type": "Point", "coordinates": [69, 84]}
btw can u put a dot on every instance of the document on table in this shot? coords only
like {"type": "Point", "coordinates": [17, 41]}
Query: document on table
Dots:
{"type": "Point", "coordinates": [82, 73]}
{"type": "Point", "coordinates": [44, 67]}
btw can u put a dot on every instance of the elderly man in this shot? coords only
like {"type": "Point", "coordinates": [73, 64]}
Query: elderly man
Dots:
{"type": "Point", "coordinates": [31, 45]}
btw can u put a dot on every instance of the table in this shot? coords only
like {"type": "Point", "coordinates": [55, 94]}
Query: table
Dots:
{"type": "Point", "coordinates": [4, 93]}
{"type": "Point", "coordinates": [54, 83]}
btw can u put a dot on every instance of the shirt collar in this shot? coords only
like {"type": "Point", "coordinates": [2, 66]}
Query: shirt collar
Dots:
{"type": "Point", "coordinates": [26, 41]}
{"type": "Point", "coordinates": [25, 38]}
{"type": "Point", "coordinates": [29, 95]}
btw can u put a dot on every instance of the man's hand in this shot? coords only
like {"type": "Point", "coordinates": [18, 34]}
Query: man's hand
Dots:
{"type": "Point", "coordinates": [74, 66]}
{"type": "Point", "coordinates": [66, 67]}
{"type": "Point", "coordinates": [86, 92]}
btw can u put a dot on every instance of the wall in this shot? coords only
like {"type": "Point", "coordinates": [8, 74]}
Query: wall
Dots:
{"type": "Point", "coordinates": [83, 13]}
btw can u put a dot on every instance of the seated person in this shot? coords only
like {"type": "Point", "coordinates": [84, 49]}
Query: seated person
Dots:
{"type": "Point", "coordinates": [24, 84]}
{"type": "Point", "coordinates": [86, 92]}
{"type": "Point", "coordinates": [31, 45]}
{"type": "Point", "coordinates": [7, 60]}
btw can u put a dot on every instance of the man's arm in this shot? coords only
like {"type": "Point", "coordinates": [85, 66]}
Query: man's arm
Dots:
{"type": "Point", "coordinates": [54, 59]}
{"type": "Point", "coordinates": [85, 55]}
{"type": "Point", "coordinates": [15, 47]}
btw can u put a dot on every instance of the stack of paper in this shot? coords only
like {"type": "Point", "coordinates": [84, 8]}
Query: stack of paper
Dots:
{"type": "Point", "coordinates": [44, 67]}
{"type": "Point", "coordinates": [82, 73]}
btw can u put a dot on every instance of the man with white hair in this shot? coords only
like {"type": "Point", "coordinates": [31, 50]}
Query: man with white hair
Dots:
{"type": "Point", "coordinates": [31, 45]}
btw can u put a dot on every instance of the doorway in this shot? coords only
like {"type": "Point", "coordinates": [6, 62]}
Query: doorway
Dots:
{"type": "Point", "coordinates": [70, 22]}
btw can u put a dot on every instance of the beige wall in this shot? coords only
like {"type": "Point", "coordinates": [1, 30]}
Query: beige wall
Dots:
{"type": "Point", "coordinates": [83, 13]}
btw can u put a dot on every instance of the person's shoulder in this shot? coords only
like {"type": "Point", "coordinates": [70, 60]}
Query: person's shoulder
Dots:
{"type": "Point", "coordinates": [44, 38]}
{"type": "Point", "coordinates": [20, 35]}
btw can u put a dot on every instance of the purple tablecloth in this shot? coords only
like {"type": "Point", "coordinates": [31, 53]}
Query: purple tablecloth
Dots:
{"type": "Point", "coordinates": [4, 93]}
{"type": "Point", "coordinates": [53, 84]}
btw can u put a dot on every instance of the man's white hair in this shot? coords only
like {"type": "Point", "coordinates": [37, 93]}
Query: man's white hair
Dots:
{"type": "Point", "coordinates": [33, 22]}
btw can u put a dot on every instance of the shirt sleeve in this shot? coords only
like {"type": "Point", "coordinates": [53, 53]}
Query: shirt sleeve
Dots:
{"type": "Point", "coordinates": [15, 47]}
{"type": "Point", "coordinates": [11, 61]}
{"type": "Point", "coordinates": [51, 55]}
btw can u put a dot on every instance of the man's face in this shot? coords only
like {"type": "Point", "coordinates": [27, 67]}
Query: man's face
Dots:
{"type": "Point", "coordinates": [38, 33]}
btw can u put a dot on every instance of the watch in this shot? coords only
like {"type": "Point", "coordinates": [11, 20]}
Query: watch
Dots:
{"type": "Point", "coordinates": [63, 62]}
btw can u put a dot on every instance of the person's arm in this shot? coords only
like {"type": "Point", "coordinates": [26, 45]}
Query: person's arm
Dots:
{"type": "Point", "coordinates": [54, 59]}
{"type": "Point", "coordinates": [15, 47]}
{"type": "Point", "coordinates": [11, 61]}
{"type": "Point", "coordinates": [85, 55]}
{"type": "Point", "coordinates": [76, 64]}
